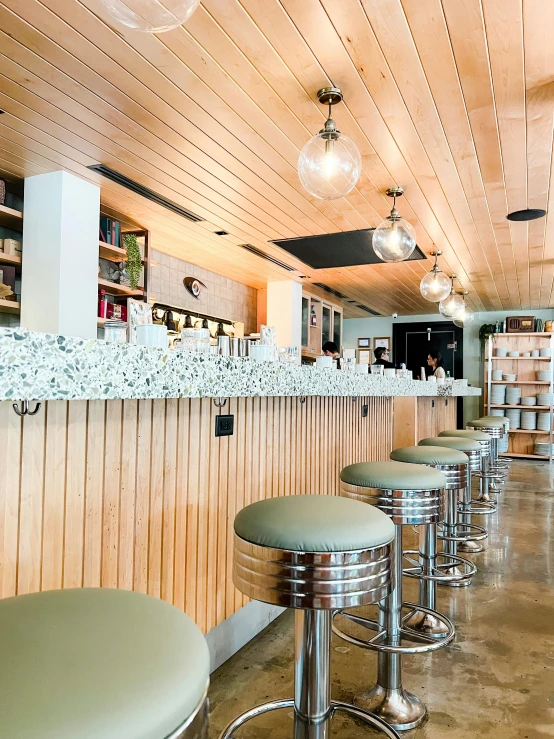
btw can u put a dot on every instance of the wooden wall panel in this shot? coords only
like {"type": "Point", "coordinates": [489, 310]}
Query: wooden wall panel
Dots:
{"type": "Point", "coordinates": [139, 494]}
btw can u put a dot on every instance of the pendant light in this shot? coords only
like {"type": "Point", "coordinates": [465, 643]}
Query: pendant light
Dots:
{"type": "Point", "coordinates": [435, 286]}
{"type": "Point", "coordinates": [329, 164]}
{"type": "Point", "coordinates": [394, 239]}
{"type": "Point", "coordinates": [465, 317]}
{"type": "Point", "coordinates": [151, 16]}
{"type": "Point", "coordinates": [453, 303]}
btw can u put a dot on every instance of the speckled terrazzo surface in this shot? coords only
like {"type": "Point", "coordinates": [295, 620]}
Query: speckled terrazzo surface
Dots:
{"type": "Point", "coordinates": [36, 366]}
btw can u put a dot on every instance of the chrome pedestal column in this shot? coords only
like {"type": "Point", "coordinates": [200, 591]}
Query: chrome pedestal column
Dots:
{"type": "Point", "coordinates": [472, 535]}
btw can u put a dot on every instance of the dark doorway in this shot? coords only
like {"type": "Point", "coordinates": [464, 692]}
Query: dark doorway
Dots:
{"type": "Point", "coordinates": [413, 341]}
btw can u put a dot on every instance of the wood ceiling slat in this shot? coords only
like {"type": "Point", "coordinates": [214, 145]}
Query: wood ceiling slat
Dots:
{"type": "Point", "coordinates": [428, 28]}
{"type": "Point", "coordinates": [539, 80]}
{"type": "Point", "coordinates": [453, 99]}
{"type": "Point", "coordinates": [467, 34]}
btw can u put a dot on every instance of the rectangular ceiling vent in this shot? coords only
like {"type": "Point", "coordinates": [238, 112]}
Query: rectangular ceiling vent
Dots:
{"type": "Point", "coordinates": [330, 290]}
{"type": "Point", "coordinates": [369, 310]}
{"type": "Point", "coordinates": [343, 249]}
{"type": "Point", "coordinates": [145, 192]}
{"type": "Point", "coordinates": [263, 255]}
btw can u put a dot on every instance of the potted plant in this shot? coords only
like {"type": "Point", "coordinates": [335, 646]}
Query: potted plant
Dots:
{"type": "Point", "coordinates": [133, 267]}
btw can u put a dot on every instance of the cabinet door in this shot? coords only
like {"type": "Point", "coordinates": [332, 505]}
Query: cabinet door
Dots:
{"type": "Point", "coordinates": [326, 324]}
{"type": "Point", "coordinates": [305, 322]}
{"type": "Point", "coordinates": [337, 328]}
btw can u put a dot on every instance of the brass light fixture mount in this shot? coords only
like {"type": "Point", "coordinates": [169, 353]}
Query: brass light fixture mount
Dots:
{"type": "Point", "coordinates": [330, 96]}
{"type": "Point", "coordinates": [394, 192]}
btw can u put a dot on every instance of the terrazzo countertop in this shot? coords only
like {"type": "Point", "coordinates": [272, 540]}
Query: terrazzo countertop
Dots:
{"type": "Point", "coordinates": [37, 366]}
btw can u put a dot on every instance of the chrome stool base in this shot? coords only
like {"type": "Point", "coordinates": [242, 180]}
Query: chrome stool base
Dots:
{"type": "Point", "coordinates": [470, 546]}
{"type": "Point", "coordinates": [480, 507]}
{"type": "Point", "coordinates": [397, 707]}
{"type": "Point", "coordinates": [306, 728]}
{"type": "Point", "coordinates": [454, 567]}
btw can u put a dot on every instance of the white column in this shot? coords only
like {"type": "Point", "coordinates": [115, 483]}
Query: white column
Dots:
{"type": "Point", "coordinates": [59, 287]}
{"type": "Point", "coordinates": [284, 311]}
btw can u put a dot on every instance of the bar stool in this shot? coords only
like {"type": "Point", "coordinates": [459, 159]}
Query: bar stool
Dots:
{"type": "Point", "coordinates": [495, 427]}
{"type": "Point", "coordinates": [457, 532]}
{"type": "Point", "coordinates": [437, 567]}
{"type": "Point", "coordinates": [411, 495]}
{"type": "Point", "coordinates": [313, 553]}
{"type": "Point", "coordinates": [94, 662]}
{"type": "Point", "coordinates": [473, 545]}
{"type": "Point", "coordinates": [505, 462]}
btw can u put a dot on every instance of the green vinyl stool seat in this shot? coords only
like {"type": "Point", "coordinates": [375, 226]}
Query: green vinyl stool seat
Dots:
{"type": "Point", "coordinates": [313, 523]}
{"type": "Point", "coordinates": [429, 455]}
{"type": "Point", "coordinates": [94, 662]}
{"type": "Point", "coordinates": [486, 422]}
{"type": "Point", "coordinates": [465, 434]}
{"type": "Point", "coordinates": [392, 476]}
{"type": "Point", "coordinates": [455, 442]}
{"type": "Point", "coordinates": [314, 554]}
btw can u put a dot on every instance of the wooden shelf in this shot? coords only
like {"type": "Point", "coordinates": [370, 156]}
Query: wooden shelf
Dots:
{"type": "Point", "coordinates": [113, 289]}
{"type": "Point", "coordinates": [10, 259]}
{"type": "Point", "coordinates": [526, 333]}
{"type": "Point", "coordinates": [527, 431]}
{"type": "Point", "coordinates": [527, 359]}
{"type": "Point", "coordinates": [525, 407]}
{"type": "Point", "coordinates": [112, 253]}
{"type": "Point", "coordinates": [518, 455]}
{"type": "Point", "coordinates": [101, 322]}
{"type": "Point", "coordinates": [10, 218]}
{"type": "Point", "coordinates": [520, 382]}
{"type": "Point", "coordinates": [9, 306]}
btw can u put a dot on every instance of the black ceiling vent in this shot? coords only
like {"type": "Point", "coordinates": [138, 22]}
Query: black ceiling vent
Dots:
{"type": "Point", "coordinates": [369, 310]}
{"type": "Point", "coordinates": [330, 290]}
{"type": "Point", "coordinates": [263, 255]}
{"type": "Point", "coordinates": [529, 214]}
{"type": "Point", "coordinates": [343, 249]}
{"type": "Point", "coordinates": [145, 192]}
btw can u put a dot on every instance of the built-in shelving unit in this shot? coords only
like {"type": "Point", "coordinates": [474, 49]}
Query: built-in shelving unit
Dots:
{"type": "Point", "coordinates": [10, 259]}
{"type": "Point", "coordinates": [521, 442]}
{"type": "Point", "coordinates": [328, 326]}
{"type": "Point", "coordinates": [112, 288]}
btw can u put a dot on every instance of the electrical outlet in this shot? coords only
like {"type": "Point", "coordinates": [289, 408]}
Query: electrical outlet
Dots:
{"type": "Point", "coordinates": [365, 410]}
{"type": "Point", "coordinates": [224, 425]}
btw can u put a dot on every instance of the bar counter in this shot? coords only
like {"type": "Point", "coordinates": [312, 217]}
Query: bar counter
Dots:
{"type": "Point", "coordinates": [120, 481]}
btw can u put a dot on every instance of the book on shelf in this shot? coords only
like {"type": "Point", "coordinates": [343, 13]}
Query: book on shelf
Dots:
{"type": "Point", "coordinates": [110, 231]}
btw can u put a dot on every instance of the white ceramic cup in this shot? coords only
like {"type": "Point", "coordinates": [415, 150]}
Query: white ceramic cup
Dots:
{"type": "Point", "coordinates": [152, 334]}
{"type": "Point", "coordinates": [324, 362]}
{"type": "Point", "coordinates": [390, 372]}
{"type": "Point", "coordinates": [431, 378]}
{"type": "Point", "coordinates": [361, 369]}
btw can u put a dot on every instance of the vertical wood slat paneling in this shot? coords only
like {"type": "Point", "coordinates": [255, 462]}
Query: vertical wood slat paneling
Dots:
{"type": "Point", "coordinates": [139, 494]}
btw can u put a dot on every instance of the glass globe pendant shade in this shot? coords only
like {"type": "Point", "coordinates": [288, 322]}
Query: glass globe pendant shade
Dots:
{"type": "Point", "coordinates": [329, 168]}
{"type": "Point", "coordinates": [435, 286]}
{"type": "Point", "coordinates": [394, 240]}
{"type": "Point", "coordinates": [151, 16]}
{"type": "Point", "coordinates": [452, 305]}
{"type": "Point", "coordinates": [464, 319]}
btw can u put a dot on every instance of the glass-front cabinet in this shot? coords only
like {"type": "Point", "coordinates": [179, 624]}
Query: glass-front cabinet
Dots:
{"type": "Point", "coordinates": [321, 322]}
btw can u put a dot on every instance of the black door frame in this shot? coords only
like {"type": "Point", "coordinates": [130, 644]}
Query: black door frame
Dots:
{"type": "Point", "coordinates": [399, 331]}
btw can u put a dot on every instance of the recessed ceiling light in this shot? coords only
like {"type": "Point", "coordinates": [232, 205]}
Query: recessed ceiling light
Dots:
{"type": "Point", "coordinates": [221, 233]}
{"type": "Point", "coordinates": [529, 214]}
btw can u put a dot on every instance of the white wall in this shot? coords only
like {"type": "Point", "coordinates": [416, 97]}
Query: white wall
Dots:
{"type": "Point", "coordinates": [355, 328]}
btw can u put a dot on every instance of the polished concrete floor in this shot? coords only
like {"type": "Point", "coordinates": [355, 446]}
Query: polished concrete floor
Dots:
{"type": "Point", "coordinates": [495, 681]}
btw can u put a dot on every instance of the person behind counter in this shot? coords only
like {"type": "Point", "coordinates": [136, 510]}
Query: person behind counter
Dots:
{"type": "Point", "coordinates": [382, 357]}
{"type": "Point", "coordinates": [330, 349]}
{"type": "Point", "coordinates": [435, 361]}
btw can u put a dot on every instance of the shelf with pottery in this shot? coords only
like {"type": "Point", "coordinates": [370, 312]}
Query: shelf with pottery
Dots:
{"type": "Point", "coordinates": [520, 441]}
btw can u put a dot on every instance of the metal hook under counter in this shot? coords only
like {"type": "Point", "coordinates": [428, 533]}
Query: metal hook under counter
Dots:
{"type": "Point", "coordinates": [303, 399]}
{"type": "Point", "coordinates": [220, 402]}
{"type": "Point", "coordinates": [25, 408]}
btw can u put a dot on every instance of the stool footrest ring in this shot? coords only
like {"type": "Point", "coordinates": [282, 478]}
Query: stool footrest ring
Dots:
{"type": "Point", "coordinates": [490, 475]}
{"type": "Point", "coordinates": [440, 572]}
{"type": "Point", "coordinates": [479, 507]}
{"type": "Point", "coordinates": [360, 714]}
{"type": "Point", "coordinates": [378, 642]}
{"type": "Point", "coordinates": [470, 532]}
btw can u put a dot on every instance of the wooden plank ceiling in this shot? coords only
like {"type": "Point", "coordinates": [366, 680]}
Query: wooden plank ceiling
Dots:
{"type": "Point", "coordinates": [452, 99]}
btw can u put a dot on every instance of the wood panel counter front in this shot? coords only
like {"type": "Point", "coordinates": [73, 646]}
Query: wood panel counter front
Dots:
{"type": "Point", "coordinates": [140, 494]}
